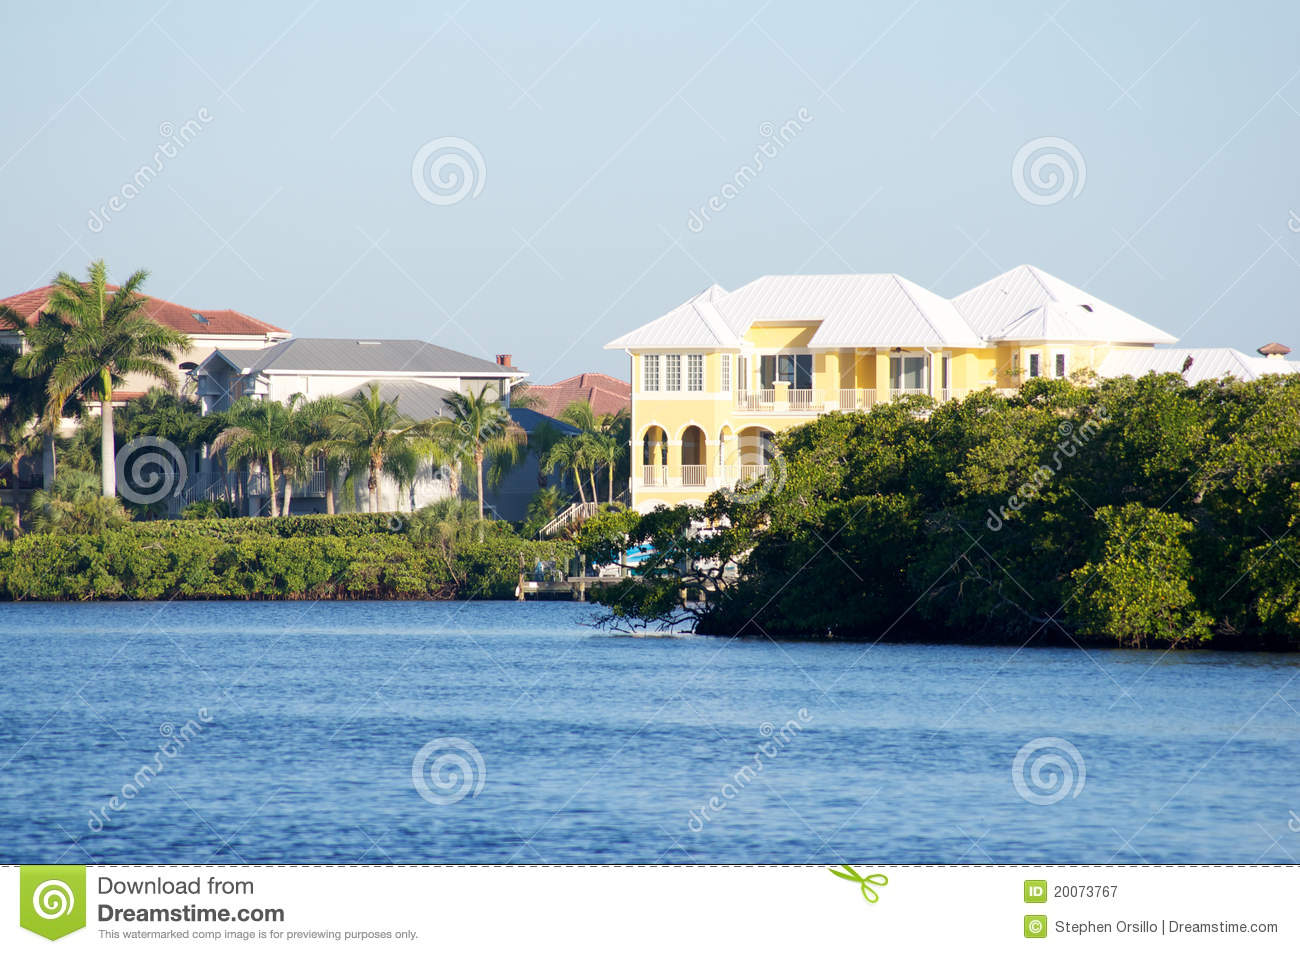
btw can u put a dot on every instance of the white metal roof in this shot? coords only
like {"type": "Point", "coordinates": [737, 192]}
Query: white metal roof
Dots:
{"type": "Point", "coordinates": [1206, 363]}
{"type": "Point", "coordinates": [992, 307]}
{"type": "Point", "coordinates": [854, 310]}
{"type": "Point", "coordinates": [696, 323]}
{"type": "Point", "coordinates": [862, 311]}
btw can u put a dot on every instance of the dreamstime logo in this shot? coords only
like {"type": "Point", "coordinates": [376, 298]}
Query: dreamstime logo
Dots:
{"type": "Point", "coordinates": [174, 139]}
{"type": "Point", "coordinates": [753, 483]}
{"type": "Point", "coordinates": [1045, 171]}
{"type": "Point", "coordinates": [1072, 439]}
{"type": "Point", "coordinates": [447, 170]}
{"type": "Point", "coordinates": [775, 139]}
{"type": "Point", "coordinates": [448, 769]}
{"type": "Point", "coordinates": [150, 469]}
{"type": "Point", "coordinates": [53, 899]}
{"type": "Point", "coordinates": [776, 738]}
{"type": "Point", "coordinates": [1048, 769]}
{"type": "Point", "coordinates": [174, 742]}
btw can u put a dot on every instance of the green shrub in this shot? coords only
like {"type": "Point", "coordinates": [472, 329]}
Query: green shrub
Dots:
{"type": "Point", "coordinates": [351, 556]}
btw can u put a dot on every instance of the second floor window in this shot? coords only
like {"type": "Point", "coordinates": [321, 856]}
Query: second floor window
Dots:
{"type": "Point", "coordinates": [1059, 359]}
{"type": "Point", "coordinates": [795, 370]}
{"type": "Point", "coordinates": [672, 372]}
{"type": "Point", "coordinates": [650, 371]}
{"type": "Point", "coordinates": [695, 372]}
{"type": "Point", "coordinates": [724, 376]}
{"type": "Point", "coordinates": [907, 373]}
{"type": "Point", "coordinates": [1035, 360]}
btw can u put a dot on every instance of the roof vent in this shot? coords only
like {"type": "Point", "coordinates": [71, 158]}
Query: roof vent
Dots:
{"type": "Point", "coordinates": [1086, 307]}
{"type": "Point", "coordinates": [367, 341]}
{"type": "Point", "coordinates": [199, 318]}
{"type": "Point", "coordinates": [504, 360]}
{"type": "Point", "coordinates": [1274, 350]}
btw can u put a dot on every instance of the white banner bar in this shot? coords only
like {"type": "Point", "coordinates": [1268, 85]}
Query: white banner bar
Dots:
{"type": "Point", "coordinates": [977, 908]}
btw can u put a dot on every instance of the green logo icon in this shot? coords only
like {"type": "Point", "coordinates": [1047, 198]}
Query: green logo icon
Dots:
{"type": "Point", "coordinates": [864, 882]}
{"type": "Point", "coordinates": [1035, 925]}
{"type": "Point", "coordinates": [52, 899]}
{"type": "Point", "coordinates": [1035, 892]}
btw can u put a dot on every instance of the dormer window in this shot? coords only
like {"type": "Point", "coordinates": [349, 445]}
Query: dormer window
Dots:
{"type": "Point", "coordinates": [1086, 307]}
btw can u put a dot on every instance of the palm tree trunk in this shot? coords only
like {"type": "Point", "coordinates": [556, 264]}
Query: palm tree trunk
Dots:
{"type": "Point", "coordinates": [107, 454]}
{"type": "Point", "coordinates": [51, 453]}
{"type": "Point", "coordinates": [270, 481]}
{"type": "Point", "coordinates": [591, 475]}
{"type": "Point", "coordinates": [577, 479]}
{"type": "Point", "coordinates": [372, 482]}
{"type": "Point", "coordinates": [329, 490]}
{"type": "Point", "coordinates": [288, 495]}
{"type": "Point", "coordinates": [611, 482]}
{"type": "Point", "coordinates": [478, 474]}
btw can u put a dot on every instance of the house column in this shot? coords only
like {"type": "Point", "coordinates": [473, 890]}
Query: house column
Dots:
{"type": "Point", "coordinates": [882, 374]}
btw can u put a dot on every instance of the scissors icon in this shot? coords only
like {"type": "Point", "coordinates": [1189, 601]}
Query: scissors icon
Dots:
{"type": "Point", "coordinates": [868, 892]}
{"type": "Point", "coordinates": [1294, 823]}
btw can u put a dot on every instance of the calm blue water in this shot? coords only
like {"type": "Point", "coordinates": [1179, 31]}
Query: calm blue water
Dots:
{"type": "Point", "coordinates": [596, 748]}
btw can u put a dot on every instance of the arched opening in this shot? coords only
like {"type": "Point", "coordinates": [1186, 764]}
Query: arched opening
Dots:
{"type": "Point", "coordinates": [754, 448]}
{"type": "Point", "coordinates": [725, 439]}
{"type": "Point", "coordinates": [654, 456]}
{"type": "Point", "coordinates": [693, 451]}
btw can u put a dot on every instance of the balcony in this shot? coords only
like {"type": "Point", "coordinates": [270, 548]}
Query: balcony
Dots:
{"type": "Point", "coordinates": [697, 476]}
{"type": "Point", "coordinates": [783, 401]}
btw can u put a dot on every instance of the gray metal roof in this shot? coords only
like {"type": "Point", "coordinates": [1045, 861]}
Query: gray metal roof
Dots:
{"type": "Point", "coordinates": [365, 355]}
{"type": "Point", "coordinates": [415, 398]}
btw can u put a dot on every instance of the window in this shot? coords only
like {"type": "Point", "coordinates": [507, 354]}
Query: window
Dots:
{"type": "Point", "coordinates": [695, 372]}
{"type": "Point", "coordinates": [946, 367]}
{"type": "Point", "coordinates": [742, 373]}
{"type": "Point", "coordinates": [907, 373]}
{"type": "Point", "coordinates": [1058, 361]}
{"type": "Point", "coordinates": [794, 369]}
{"type": "Point", "coordinates": [725, 372]}
{"type": "Point", "coordinates": [672, 372]}
{"type": "Point", "coordinates": [650, 372]}
{"type": "Point", "coordinates": [1035, 361]}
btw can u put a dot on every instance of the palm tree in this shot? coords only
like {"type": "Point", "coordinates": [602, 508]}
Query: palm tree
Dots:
{"type": "Point", "coordinates": [22, 402]}
{"type": "Point", "coordinates": [567, 455]}
{"type": "Point", "coordinates": [315, 425]}
{"type": "Point", "coordinates": [544, 436]}
{"type": "Point", "coordinates": [452, 454]}
{"type": "Point", "coordinates": [604, 439]}
{"type": "Point", "coordinates": [542, 508]}
{"type": "Point", "coordinates": [74, 505]}
{"type": "Point", "coordinates": [485, 425]}
{"type": "Point", "coordinates": [31, 417]}
{"type": "Point", "coordinates": [260, 432]}
{"type": "Point", "coordinates": [607, 451]}
{"type": "Point", "coordinates": [96, 338]}
{"type": "Point", "coordinates": [368, 429]}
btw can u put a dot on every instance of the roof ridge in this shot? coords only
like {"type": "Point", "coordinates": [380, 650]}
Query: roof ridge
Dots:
{"type": "Point", "coordinates": [902, 284]}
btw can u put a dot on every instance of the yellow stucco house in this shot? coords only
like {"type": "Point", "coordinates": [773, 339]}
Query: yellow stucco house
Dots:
{"type": "Point", "coordinates": [717, 376]}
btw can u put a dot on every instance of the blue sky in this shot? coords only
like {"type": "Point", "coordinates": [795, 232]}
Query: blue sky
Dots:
{"type": "Point", "coordinates": [598, 129]}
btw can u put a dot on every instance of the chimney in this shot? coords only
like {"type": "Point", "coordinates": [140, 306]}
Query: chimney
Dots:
{"type": "Point", "coordinates": [504, 360]}
{"type": "Point", "coordinates": [1274, 350]}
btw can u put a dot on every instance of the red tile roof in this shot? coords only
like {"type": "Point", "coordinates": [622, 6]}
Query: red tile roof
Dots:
{"type": "Point", "coordinates": [223, 322]}
{"type": "Point", "coordinates": [607, 395]}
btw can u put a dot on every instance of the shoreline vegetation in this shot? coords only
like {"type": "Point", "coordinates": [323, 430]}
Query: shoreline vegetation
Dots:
{"type": "Point", "coordinates": [439, 552]}
{"type": "Point", "coordinates": [1140, 513]}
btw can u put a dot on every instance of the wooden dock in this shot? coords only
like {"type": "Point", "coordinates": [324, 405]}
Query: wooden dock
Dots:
{"type": "Point", "coordinates": [573, 587]}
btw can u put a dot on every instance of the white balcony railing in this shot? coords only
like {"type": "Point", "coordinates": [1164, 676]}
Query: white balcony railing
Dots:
{"type": "Point", "coordinates": [857, 399]}
{"type": "Point", "coordinates": [782, 401]}
{"type": "Point", "coordinates": [694, 475]}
